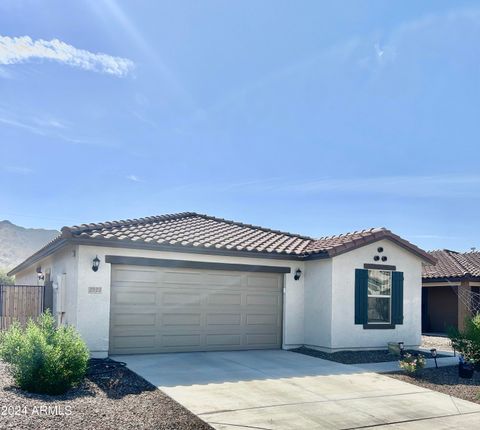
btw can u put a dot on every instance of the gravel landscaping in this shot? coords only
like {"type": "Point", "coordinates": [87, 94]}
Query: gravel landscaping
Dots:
{"type": "Point", "coordinates": [356, 357]}
{"type": "Point", "coordinates": [446, 380]}
{"type": "Point", "coordinates": [442, 343]}
{"type": "Point", "coordinates": [118, 399]}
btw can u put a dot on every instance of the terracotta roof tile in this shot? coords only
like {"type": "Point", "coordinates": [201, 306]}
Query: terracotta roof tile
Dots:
{"type": "Point", "coordinates": [452, 264]}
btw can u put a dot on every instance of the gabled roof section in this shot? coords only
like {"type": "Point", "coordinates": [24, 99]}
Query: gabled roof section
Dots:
{"type": "Point", "coordinates": [192, 232]}
{"type": "Point", "coordinates": [190, 229]}
{"type": "Point", "coordinates": [452, 264]}
{"type": "Point", "coordinates": [335, 245]}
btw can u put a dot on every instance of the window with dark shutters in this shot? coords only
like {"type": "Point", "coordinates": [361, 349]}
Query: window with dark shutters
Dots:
{"type": "Point", "coordinates": [362, 301]}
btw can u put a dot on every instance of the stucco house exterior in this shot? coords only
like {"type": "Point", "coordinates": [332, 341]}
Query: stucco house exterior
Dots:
{"type": "Point", "coordinates": [190, 282]}
{"type": "Point", "coordinates": [450, 290]}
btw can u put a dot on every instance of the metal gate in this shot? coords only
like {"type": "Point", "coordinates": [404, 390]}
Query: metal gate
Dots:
{"type": "Point", "coordinates": [20, 303]}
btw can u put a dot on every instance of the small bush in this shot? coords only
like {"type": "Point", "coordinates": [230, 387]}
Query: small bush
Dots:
{"type": "Point", "coordinates": [412, 363]}
{"type": "Point", "coordinates": [43, 358]}
{"type": "Point", "coordinates": [467, 342]}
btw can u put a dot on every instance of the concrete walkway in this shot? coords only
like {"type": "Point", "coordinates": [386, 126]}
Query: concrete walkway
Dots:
{"type": "Point", "coordinates": [284, 390]}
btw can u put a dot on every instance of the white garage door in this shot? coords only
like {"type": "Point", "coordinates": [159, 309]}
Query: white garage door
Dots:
{"type": "Point", "coordinates": [170, 310]}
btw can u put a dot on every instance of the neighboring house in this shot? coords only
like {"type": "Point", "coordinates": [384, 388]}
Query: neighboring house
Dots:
{"type": "Point", "coordinates": [190, 282]}
{"type": "Point", "coordinates": [447, 290]}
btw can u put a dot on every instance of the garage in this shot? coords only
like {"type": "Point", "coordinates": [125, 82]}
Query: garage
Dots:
{"type": "Point", "coordinates": [439, 308]}
{"type": "Point", "coordinates": [171, 309]}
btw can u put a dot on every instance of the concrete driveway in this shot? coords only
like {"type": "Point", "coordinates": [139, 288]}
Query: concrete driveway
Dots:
{"type": "Point", "coordinates": [284, 390]}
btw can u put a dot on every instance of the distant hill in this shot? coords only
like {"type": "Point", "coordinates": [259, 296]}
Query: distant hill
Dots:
{"type": "Point", "coordinates": [18, 243]}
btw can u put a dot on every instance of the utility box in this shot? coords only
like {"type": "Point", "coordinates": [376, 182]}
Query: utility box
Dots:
{"type": "Point", "coordinates": [394, 348]}
{"type": "Point", "coordinates": [60, 288]}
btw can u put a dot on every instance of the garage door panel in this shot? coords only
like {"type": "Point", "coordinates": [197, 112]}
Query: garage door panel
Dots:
{"type": "Point", "coordinates": [226, 340]}
{"type": "Point", "coordinates": [134, 341]}
{"type": "Point", "coordinates": [262, 282]}
{"type": "Point", "coordinates": [181, 319]}
{"type": "Point", "coordinates": [199, 310]}
{"type": "Point", "coordinates": [262, 319]}
{"type": "Point", "coordinates": [262, 339]}
{"type": "Point", "coordinates": [262, 300]}
{"type": "Point", "coordinates": [181, 340]}
{"type": "Point", "coordinates": [224, 299]}
{"type": "Point", "coordinates": [132, 298]}
{"type": "Point", "coordinates": [129, 275]}
{"type": "Point", "coordinates": [134, 319]}
{"type": "Point", "coordinates": [182, 278]}
{"type": "Point", "coordinates": [181, 299]}
{"type": "Point", "coordinates": [224, 319]}
{"type": "Point", "coordinates": [224, 280]}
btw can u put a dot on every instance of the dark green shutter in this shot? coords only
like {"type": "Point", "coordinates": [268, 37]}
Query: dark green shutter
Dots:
{"type": "Point", "coordinates": [397, 297]}
{"type": "Point", "coordinates": [361, 296]}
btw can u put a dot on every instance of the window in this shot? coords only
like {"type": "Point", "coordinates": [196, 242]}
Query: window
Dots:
{"type": "Point", "coordinates": [379, 296]}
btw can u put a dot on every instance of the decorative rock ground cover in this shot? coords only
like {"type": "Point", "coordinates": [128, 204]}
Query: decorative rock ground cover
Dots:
{"type": "Point", "coordinates": [446, 380]}
{"type": "Point", "coordinates": [356, 357]}
{"type": "Point", "coordinates": [117, 399]}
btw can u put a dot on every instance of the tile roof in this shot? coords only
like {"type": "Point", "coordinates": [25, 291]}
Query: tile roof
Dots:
{"type": "Point", "coordinates": [452, 264]}
{"type": "Point", "coordinates": [189, 231]}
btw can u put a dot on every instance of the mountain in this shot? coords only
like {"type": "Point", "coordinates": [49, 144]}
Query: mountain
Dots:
{"type": "Point", "coordinates": [18, 243]}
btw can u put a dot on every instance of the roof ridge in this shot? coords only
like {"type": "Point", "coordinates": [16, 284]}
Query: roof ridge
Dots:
{"type": "Point", "coordinates": [445, 251]}
{"type": "Point", "coordinates": [266, 229]}
{"type": "Point", "coordinates": [76, 229]}
{"type": "Point", "coordinates": [351, 233]}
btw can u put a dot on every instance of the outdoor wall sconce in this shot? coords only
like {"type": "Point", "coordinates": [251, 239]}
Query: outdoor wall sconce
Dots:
{"type": "Point", "coordinates": [434, 355]}
{"type": "Point", "coordinates": [297, 275]}
{"type": "Point", "coordinates": [40, 274]}
{"type": "Point", "coordinates": [96, 263]}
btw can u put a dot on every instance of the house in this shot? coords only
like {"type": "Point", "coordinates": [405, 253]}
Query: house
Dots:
{"type": "Point", "coordinates": [450, 290]}
{"type": "Point", "coordinates": [190, 282]}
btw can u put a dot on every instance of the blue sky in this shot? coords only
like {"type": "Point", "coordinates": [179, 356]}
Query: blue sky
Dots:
{"type": "Point", "coordinates": [312, 117]}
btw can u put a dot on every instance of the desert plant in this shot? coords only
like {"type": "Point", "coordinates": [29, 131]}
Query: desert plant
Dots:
{"type": "Point", "coordinates": [412, 363]}
{"type": "Point", "coordinates": [44, 358]}
{"type": "Point", "coordinates": [467, 341]}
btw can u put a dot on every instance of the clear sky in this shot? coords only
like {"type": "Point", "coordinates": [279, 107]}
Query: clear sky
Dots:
{"type": "Point", "coordinates": [308, 116]}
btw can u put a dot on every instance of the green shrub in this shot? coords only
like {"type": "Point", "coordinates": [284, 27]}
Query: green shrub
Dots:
{"type": "Point", "coordinates": [467, 342]}
{"type": "Point", "coordinates": [5, 279]}
{"type": "Point", "coordinates": [412, 363]}
{"type": "Point", "coordinates": [43, 358]}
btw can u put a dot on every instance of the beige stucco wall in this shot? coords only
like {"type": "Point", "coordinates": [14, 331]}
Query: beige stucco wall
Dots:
{"type": "Point", "coordinates": [346, 334]}
{"type": "Point", "coordinates": [318, 303]}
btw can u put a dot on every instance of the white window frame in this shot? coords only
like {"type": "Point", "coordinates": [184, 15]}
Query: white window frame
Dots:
{"type": "Point", "coordinates": [381, 296]}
